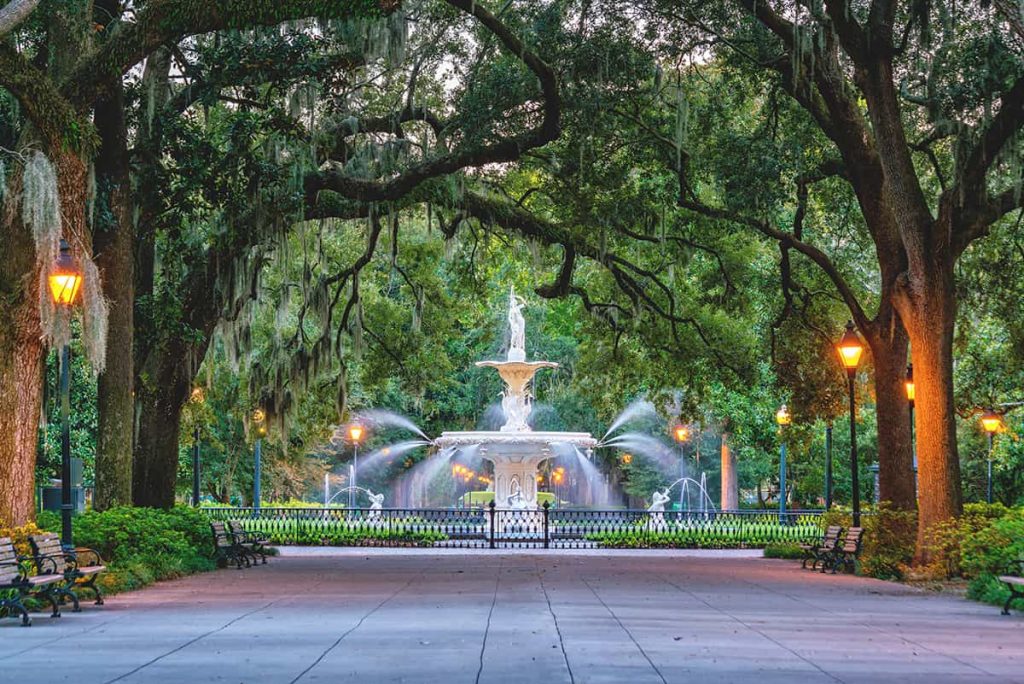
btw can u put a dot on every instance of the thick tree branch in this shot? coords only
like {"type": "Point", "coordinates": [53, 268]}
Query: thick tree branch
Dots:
{"type": "Point", "coordinates": [14, 13]}
{"type": "Point", "coordinates": [168, 21]}
{"type": "Point", "coordinates": [505, 150]}
{"type": "Point", "coordinates": [51, 114]}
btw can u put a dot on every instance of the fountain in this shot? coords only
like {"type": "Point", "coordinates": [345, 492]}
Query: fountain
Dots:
{"type": "Point", "coordinates": [515, 450]}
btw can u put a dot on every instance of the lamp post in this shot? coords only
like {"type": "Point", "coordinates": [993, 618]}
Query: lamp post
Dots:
{"type": "Point", "coordinates": [355, 433]}
{"type": "Point", "coordinates": [65, 280]}
{"type": "Point", "coordinates": [909, 385]}
{"type": "Point", "coordinates": [681, 434]}
{"type": "Point", "coordinates": [828, 465]}
{"type": "Point", "coordinates": [197, 397]}
{"type": "Point", "coordinates": [991, 422]}
{"type": "Point", "coordinates": [258, 417]}
{"type": "Point", "coordinates": [783, 418]}
{"type": "Point", "coordinates": [850, 349]}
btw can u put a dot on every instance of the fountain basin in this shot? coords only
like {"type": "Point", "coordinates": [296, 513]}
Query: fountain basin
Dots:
{"type": "Point", "coordinates": [516, 457]}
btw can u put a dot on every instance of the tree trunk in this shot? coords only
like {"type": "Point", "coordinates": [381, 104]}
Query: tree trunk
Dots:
{"type": "Point", "coordinates": [21, 385]}
{"type": "Point", "coordinates": [155, 471]}
{"type": "Point", "coordinates": [112, 244]}
{"type": "Point", "coordinates": [895, 445]}
{"type": "Point", "coordinates": [21, 344]}
{"type": "Point", "coordinates": [929, 310]}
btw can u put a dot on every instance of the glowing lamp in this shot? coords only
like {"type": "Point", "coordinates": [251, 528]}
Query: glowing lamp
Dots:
{"type": "Point", "coordinates": [681, 433]}
{"type": "Point", "coordinates": [909, 383]}
{"type": "Point", "coordinates": [782, 416]}
{"type": "Point", "coordinates": [991, 421]}
{"type": "Point", "coordinates": [258, 416]}
{"type": "Point", "coordinates": [850, 349]}
{"type": "Point", "coordinates": [66, 277]}
{"type": "Point", "coordinates": [198, 396]}
{"type": "Point", "coordinates": [627, 458]}
{"type": "Point", "coordinates": [355, 432]}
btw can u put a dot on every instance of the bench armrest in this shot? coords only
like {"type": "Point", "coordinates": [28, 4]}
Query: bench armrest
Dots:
{"type": "Point", "coordinates": [85, 556]}
{"type": "Point", "coordinates": [47, 565]}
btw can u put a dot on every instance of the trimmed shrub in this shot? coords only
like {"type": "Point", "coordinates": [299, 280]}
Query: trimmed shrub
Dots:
{"type": "Point", "coordinates": [142, 545]}
{"type": "Point", "coordinates": [785, 550]}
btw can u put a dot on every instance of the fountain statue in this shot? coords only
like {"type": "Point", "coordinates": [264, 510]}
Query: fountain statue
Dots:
{"type": "Point", "coordinates": [376, 500]}
{"type": "Point", "coordinates": [515, 450]}
{"type": "Point", "coordinates": [517, 327]}
{"type": "Point", "coordinates": [658, 501]}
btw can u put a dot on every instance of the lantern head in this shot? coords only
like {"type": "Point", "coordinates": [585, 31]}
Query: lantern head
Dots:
{"type": "Point", "coordinates": [850, 349]}
{"type": "Point", "coordinates": [782, 416]}
{"type": "Point", "coordinates": [681, 433]}
{"type": "Point", "coordinates": [909, 384]}
{"type": "Point", "coordinates": [66, 277]}
{"type": "Point", "coordinates": [991, 421]}
{"type": "Point", "coordinates": [355, 432]}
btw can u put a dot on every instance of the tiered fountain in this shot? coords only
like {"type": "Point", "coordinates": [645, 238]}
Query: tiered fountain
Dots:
{"type": "Point", "coordinates": [516, 450]}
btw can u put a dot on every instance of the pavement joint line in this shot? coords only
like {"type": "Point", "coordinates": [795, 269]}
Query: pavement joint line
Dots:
{"type": "Point", "coordinates": [64, 636]}
{"type": "Point", "coordinates": [355, 627]}
{"type": "Point", "coordinates": [871, 627]}
{"type": "Point", "coordinates": [750, 627]}
{"type": "Point", "coordinates": [487, 628]}
{"type": "Point", "coordinates": [193, 640]}
{"type": "Point", "coordinates": [230, 622]}
{"type": "Point", "coordinates": [626, 630]}
{"type": "Point", "coordinates": [558, 629]}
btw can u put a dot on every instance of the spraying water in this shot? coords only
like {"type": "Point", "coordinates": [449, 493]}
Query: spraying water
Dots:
{"type": "Point", "coordinates": [388, 452]}
{"type": "Point", "coordinates": [645, 445]}
{"type": "Point", "coordinates": [381, 417]}
{"type": "Point", "coordinates": [640, 408]}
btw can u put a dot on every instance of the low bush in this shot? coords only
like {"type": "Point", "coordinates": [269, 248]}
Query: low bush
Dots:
{"type": "Point", "coordinates": [786, 550]}
{"type": "Point", "coordinates": [142, 545]}
{"type": "Point", "coordinates": [888, 544]}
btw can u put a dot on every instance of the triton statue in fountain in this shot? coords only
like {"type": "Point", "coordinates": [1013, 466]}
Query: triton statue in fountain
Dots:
{"type": "Point", "coordinates": [516, 450]}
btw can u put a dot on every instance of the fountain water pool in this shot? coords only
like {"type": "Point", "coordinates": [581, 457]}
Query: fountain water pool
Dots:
{"type": "Point", "coordinates": [515, 450]}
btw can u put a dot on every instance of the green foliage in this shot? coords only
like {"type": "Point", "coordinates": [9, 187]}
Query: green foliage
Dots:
{"type": "Point", "coordinates": [887, 548]}
{"type": "Point", "coordinates": [987, 541]}
{"type": "Point", "coordinates": [785, 550]}
{"type": "Point", "coordinates": [142, 545]}
{"type": "Point", "coordinates": [395, 532]}
{"type": "Point", "coordinates": [754, 532]}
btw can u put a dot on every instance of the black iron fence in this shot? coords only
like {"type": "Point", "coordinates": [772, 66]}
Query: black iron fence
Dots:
{"type": "Point", "coordinates": [543, 528]}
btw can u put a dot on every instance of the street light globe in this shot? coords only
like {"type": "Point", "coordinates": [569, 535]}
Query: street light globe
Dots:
{"type": "Point", "coordinates": [850, 348]}
{"type": "Point", "coordinates": [681, 433]}
{"type": "Point", "coordinates": [259, 415]}
{"type": "Point", "coordinates": [909, 383]}
{"type": "Point", "coordinates": [66, 277]}
{"type": "Point", "coordinates": [991, 421]}
{"type": "Point", "coordinates": [782, 416]}
{"type": "Point", "coordinates": [355, 432]}
{"type": "Point", "coordinates": [198, 396]}
{"type": "Point", "coordinates": [627, 458]}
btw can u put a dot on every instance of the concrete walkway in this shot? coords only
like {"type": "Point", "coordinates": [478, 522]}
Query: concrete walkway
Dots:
{"type": "Point", "coordinates": [386, 616]}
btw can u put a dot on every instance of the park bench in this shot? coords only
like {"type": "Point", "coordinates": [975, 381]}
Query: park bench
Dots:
{"type": "Point", "coordinates": [17, 583]}
{"type": "Point", "coordinates": [225, 547]}
{"type": "Point", "coordinates": [845, 553]}
{"type": "Point", "coordinates": [818, 551]}
{"type": "Point", "coordinates": [80, 567]}
{"type": "Point", "coordinates": [1015, 583]}
{"type": "Point", "coordinates": [249, 543]}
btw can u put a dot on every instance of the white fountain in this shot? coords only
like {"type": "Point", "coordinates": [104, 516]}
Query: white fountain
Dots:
{"type": "Point", "coordinates": [516, 450]}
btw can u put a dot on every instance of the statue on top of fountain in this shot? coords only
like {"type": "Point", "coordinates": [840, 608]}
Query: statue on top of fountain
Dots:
{"type": "Point", "coordinates": [517, 327]}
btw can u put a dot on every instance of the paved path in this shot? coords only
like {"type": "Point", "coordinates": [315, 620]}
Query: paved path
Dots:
{"type": "Point", "coordinates": [368, 617]}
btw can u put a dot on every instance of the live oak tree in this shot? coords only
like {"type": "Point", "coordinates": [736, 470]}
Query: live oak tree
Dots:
{"type": "Point", "coordinates": [66, 64]}
{"type": "Point", "coordinates": [923, 105]}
